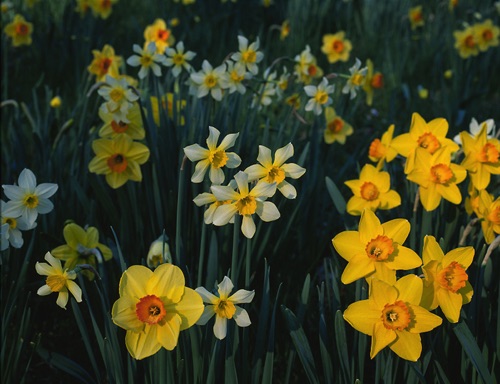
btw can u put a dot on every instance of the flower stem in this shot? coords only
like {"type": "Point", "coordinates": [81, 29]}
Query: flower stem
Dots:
{"type": "Point", "coordinates": [234, 258]}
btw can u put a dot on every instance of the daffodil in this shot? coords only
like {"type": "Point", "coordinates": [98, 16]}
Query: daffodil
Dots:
{"type": "Point", "coordinates": [372, 81]}
{"type": "Point", "coordinates": [159, 34]}
{"type": "Point", "coordinates": [119, 159]}
{"type": "Point", "coordinates": [416, 17]}
{"type": "Point", "coordinates": [248, 54]}
{"type": "Point", "coordinates": [482, 158]}
{"type": "Point", "coordinates": [154, 307]}
{"type": "Point", "coordinates": [147, 59]}
{"type": "Point", "coordinates": [207, 198]}
{"type": "Point", "coordinates": [20, 31]}
{"type": "Point", "coordinates": [336, 47]}
{"type": "Point", "coordinates": [159, 252]}
{"type": "Point", "coordinates": [58, 280]}
{"type": "Point", "coordinates": [102, 8]}
{"type": "Point", "coordinates": [27, 199]}
{"type": "Point", "coordinates": [376, 250]}
{"type": "Point", "coordinates": [284, 29]}
{"type": "Point", "coordinates": [104, 63]}
{"type": "Point", "coordinates": [283, 82]}
{"type": "Point", "coordinates": [471, 202]}
{"type": "Point", "coordinates": [178, 59]}
{"type": "Point", "coordinates": [381, 150]}
{"type": "Point", "coordinates": [466, 42]}
{"type": "Point", "coordinates": [393, 317]}
{"type": "Point", "coordinates": [437, 178]}
{"type": "Point", "coordinates": [319, 96]}
{"type": "Point", "coordinates": [337, 129]}
{"type": "Point", "coordinates": [356, 79]}
{"type": "Point", "coordinates": [210, 80]}
{"type": "Point", "coordinates": [446, 282]}
{"type": "Point", "coordinates": [245, 202]}
{"type": "Point", "coordinates": [306, 68]}
{"type": "Point", "coordinates": [11, 229]}
{"type": "Point", "coordinates": [111, 128]}
{"type": "Point", "coordinates": [267, 91]}
{"type": "Point", "coordinates": [276, 171]}
{"type": "Point", "coordinates": [119, 98]}
{"type": "Point", "coordinates": [236, 73]}
{"type": "Point", "coordinates": [224, 307]}
{"type": "Point", "coordinates": [489, 211]}
{"type": "Point", "coordinates": [55, 102]}
{"type": "Point", "coordinates": [167, 104]}
{"type": "Point", "coordinates": [215, 157]}
{"type": "Point", "coordinates": [81, 248]}
{"type": "Point", "coordinates": [372, 190]}
{"type": "Point", "coordinates": [487, 35]}
{"type": "Point", "coordinates": [475, 128]}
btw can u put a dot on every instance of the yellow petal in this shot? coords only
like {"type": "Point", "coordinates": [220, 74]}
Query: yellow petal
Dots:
{"type": "Point", "coordinates": [124, 314]}
{"type": "Point", "coordinates": [133, 282]}
{"type": "Point", "coordinates": [407, 346]}
{"type": "Point", "coordinates": [384, 273]}
{"type": "Point", "coordinates": [142, 344]}
{"type": "Point", "coordinates": [189, 308]}
{"type": "Point", "coordinates": [382, 293]}
{"type": "Point", "coordinates": [167, 282]}
{"type": "Point", "coordinates": [450, 303]}
{"type": "Point", "coordinates": [423, 320]}
{"type": "Point", "coordinates": [358, 267]}
{"type": "Point", "coordinates": [429, 300]}
{"type": "Point", "coordinates": [404, 258]}
{"type": "Point", "coordinates": [466, 293]}
{"type": "Point", "coordinates": [439, 127]}
{"type": "Point", "coordinates": [74, 235]}
{"type": "Point", "coordinates": [381, 338]}
{"type": "Point", "coordinates": [449, 192]}
{"type": "Point", "coordinates": [429, 197]}
{"type": "Point", "coordinates": [403, 144]}
{"type": "Point", "coordinates": [432, 250]}
{"type": "Point", "coordinates": [168, 332]}
{"type": "Point", "coordinates": [462, 255]}
{"type": "Point", "coordinates": [362, 316]}
{"type": "Point", "coordinates": [410, 289]}
{"type": "Point", "coordinates": [355, 205]}
{"type": "Point", "coordinates": [397, 230]}
{"type": "Point", "coordinates": [390, 200]}
{"type": "Point", "coordinates": [369, 227]}
{"type": "Point", "coordinates": [347, 244]}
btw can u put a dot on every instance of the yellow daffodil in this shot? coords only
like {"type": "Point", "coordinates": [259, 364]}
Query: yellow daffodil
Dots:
{"type": "Point", "coordinates": [154, 307]}
{"type": "Point", "coordinates": [489, 211]}
{"type": "Point", "coordinates": [160, 34]}
{"type": "Point", "coordinates": [284, 29]}
{"type": "Point", "coordinates": [482, 157]}
{"type": "Point", "coordinates": [276, 171]}
{"type": "Point", "coordinates": [372, 190]}
{"type": "Point", "coordinates": [105, 62]}
{"type": "Point", "coordinates": [248, 55]}
{"type": "Point", "coordinates": [119, 159]}
{"type": "Point", "coordinates": [336, 47]}
{"type": "Point", "coordinates": [372, 81]}
{"type": "Point", "coordinates": [215, 157]}
{"type": "Point", "coordinates": [416, 17]}
{"type": "Point", "coordinates": [466, 42]}
{"type": "Point", "coordinates": [306, 68]}
{"type": "Point", "coordinates": [58, 280]}
{"type": "Point", "coordinates": [159, 252]}
{"type": "Point", "coordinates": [19, 30]}
{"type": "Point", "coordinates": [376, 250]}
{"type": "Point", "coordinates": [224, 307]}
{"type": "Point", "coordinates": [431, 136]}
{"type": "Point", "coordinates": [111, 128]}
{"type": "Point", "coordinates": [337, 129]}
{"type": "Point", "coordinates": [393, 317]}
{"type": "Point", "coordinates": [56, 102]}
{"type": "Point", "coordinates": [167, 104]}
{"type": "Point", "coordinates": [381, 150]}
{"type": "Point", "coordinates": [102, 8]}
{"type": "Point", "coordinates": [437, 177]}
{"type": "Point", "coordinates": [81, 248]}
{"type": "Point", "coordinates": [472, 201]}
{"type": "Point", "coordinates": [487, 35]}
{"type": "Point", "coordinates": [446, 282]}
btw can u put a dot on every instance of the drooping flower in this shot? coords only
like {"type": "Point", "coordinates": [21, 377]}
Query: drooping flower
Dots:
{"type": "Point", "coordinates": [215, 157]}
{"type": "Point", "coordinates": [376, 250]}
{"type": "Point", "coordinates": [466, 42]}
{"type": "Point", "coordinates": [416, 17]}
{"type": "Point", "coordinates": [159, 252]}
{"type": "Point", "coordinates": [381, 150]}
{"type": "Point", "coordinates": [446, 282]}
{"type": "Point", "coordinates": [246, 203]}
{"type": "Point", "coordinates": [147, 59]}
{"type": "Point", "coordinates": [58, 280]}
{"type": "Point", "coordinates": [210, 80]}
{"type": "Point", "coordinates": [154, 307]}
{"type": "Point", "coordinates": [319, 96]}
{"type": "Point", "coordinates": [306, 67]}
{"type": "Point", "coordinates": [167, 104]}
{"type": "Point", "coordinates": [160, 34]}
{"type": "Point", "coordinates": [248, 55]}
{"type": "Point", "coordinates": [356, 80]}
{"type": "Point", "coordinates": [104, 63]}
{"type": "Point", "coordinates": [119, 98]}
{"type": "Point", "coordinates": [372, 81]}
{"type": "Point", "coordinates": [393, 318]}
{"type": "Point", "coordinates": [372, 190]}
{"type": "Point", "coordinates": [20, 31]}
{"type": "Point", "coordinates": [337, 129]}
{"type": "Point", "coordinates": [118, 159]}
{"type": "Point", "coordinates": [178, 59]}
{"type": "Point", "coordinates": [336, 47]}
{"type": "Point", "coordinates": [224, 307]}
{"type": "Point", "coordinates": [482, 158]}
{"type": "Point", "coordinates": [276, 171]}
{"type": "Point", "coordinates": [437, 177]}
{"type": "Point", "coordinates": [81, 248]}
{"type": "Point", "coordinates": [487, 35]}
{"type": "Point", "coordinates": [488, 211]}
{"type": "Point", "coordinates": [27, 199]}
{"type": "Point", "coordinates": [111, 128]}
{"type": "Point", "coordinates": [11, 229]}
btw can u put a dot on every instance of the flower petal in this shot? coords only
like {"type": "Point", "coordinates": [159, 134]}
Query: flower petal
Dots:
{"type": "Point", "coordinates": [124, 314]}
{"type": "Point", "coordinates": [407, 346]}
{"type": "Point", "coordinates": [142, 344]}
{"type": "Point", "coordinates": [381, 338]}
{"type": "Point", "coordinates": [167, 281]}
{"type": "Point", "coordinates": [220, 327]}
{"type": "Point", "coordinates": [241, 317]}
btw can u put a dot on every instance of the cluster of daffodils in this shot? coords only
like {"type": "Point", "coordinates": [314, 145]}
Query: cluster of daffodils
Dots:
{"type": "Point", "coordinates": [476, 38]}
{"type": "Point", "coordinates": [238, 198]}
{"type": "Point", "coordinates": [20, 212]}
{"type": "Point", "coordinates": [397, 311]}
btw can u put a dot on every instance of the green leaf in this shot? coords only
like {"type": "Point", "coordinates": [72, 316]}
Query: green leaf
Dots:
{"type": "Point", "coordinates": [341, 344]}
{"type": "Point", "coordinates": [337, 198]}
{"type": "Point", "coordinates": [64, 364]}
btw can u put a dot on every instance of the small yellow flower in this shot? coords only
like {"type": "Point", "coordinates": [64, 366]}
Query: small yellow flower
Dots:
{"type": "Point", "coordinates": [416, 17]}
{"type": "Point", "coordinates": [19, 30]}
{"type": "Point", "coordinates": [337, 129]}
{"type": "Point", "coordinates": [102, 8]}
{"type": "Point", "coordinates": [381, 149]}
{"type": "Point", "coordinates": [105, 62]}
{"type": "Point", "coordinates": [487, 35]}
{"type": "Point", "coordinates": [56, 102]}
{"type": "Point", "coordinates": [159, 252]}
{"type": "Point", "coordinates": [466, 42]}
{"type": "Point", "coordinates": [372, 81]}
{"type": "Point", "coordinates": [448, 74]}
{"type": "Point", "coordinates": [336, 47]}
{"type": "Point", "coordinates": [423, 93]}
{"type": "Point", "coordinates": [284, 30]}
{"type": "Point", "coordinates": [160, 34]}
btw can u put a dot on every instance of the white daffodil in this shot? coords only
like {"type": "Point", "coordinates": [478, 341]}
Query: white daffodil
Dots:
{"type": "Point", "coordinates": [224, 307]}
{"type": "Point", "coordinates": [248, 54]}
{"type": "Point", "coordinates": [147, 59]}
{"type": "Point", "coordinates": [119, 97]}
{"type": "Point", "coordinates": [159, 252]}
{"type": "Point", "coordinates": [210, 80]}
{"type": "Point", "coordinates": [319, 96]}
{"type": "Point", "coordinates": [206, 198]}
{"type": "Point", "coordinates": [275, 171]}
{"type": "Point", "coordinates": [215, 157]}
{"type": "Point", "coordinates": [475, 128]}
{"type": "Point", "coordinates": [356, 79]}
{"type": "Point", "coordinates": [246, 203]}
{"type": "Point", "coordinates": [266, 92]}
{"type": "Point", "coordinates": [236, 73]}
{"type": "Point", "coordinates": [11, 229]}
{"type": "Point", "coordinates": [178, 59]}
{"type": "Point", "coordinates": [27, 199]}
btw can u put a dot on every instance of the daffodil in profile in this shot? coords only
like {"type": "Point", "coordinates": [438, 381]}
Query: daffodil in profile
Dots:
{"type": "Point", "coordinates": [376, 250]}
{"type": "Point", "coordinates": [154, 307]}
{"type": "Point", "coordinates": [372, 190]}
{"type": "Point", "coordinates": [488, 210]}
{"type": "Point", "coordinates": [213, 158]}
{"type": "Point", "coordinates": [276, 171]}
{"type": "Point", "coordinates": [159, 252]}
{"type": "Point", "coordinates": [225, 307]}
{"type": "Point", "coordinates": [58, 281]}
{"type": "Point", "coordinates": [446, 283]}
{"type": "Point", "coordinates": [381, 150]}
{"type": "Point", "coordinates": [355, 80]}
{"type": "Point", "coordinates": [373, 80]}
{"type": "Point", "coordinates": [393, 317]}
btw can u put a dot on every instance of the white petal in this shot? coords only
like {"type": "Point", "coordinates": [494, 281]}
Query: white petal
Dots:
{"type": "Point", "coordinates": [248, 226]}
{"type": "Point", "coordinates": [310, 90]}
{"type": "Point", "coordinates": [213, 137]}
{"type": "Point", "coordinates": [255, 172]}
{"type": "Point", "coordinates": [287, 190]}
{"type": "Point", "coordinates": [195, 152]}
{"type": "Point", "coordinates": [216, 176]}
{"type": "Point", "coordinates": [204, 198]}
{"type": "Point", "coordinates": [283, 154]}
{"type": "Point", "coordinates": [199, 171]}
{"type": "Point", "coordinates": [233, 160]}
{"type": "Point", "coordinates": [62, 299]}
{"type": "Point", "coordinates": [264, 156]}
{"type": "Point", "coordinates": [267, 211]}
{"type": "Point", "coordinates": [43, 269]}
{"type": "Point", "coordinates": [264, 189]}
{"type": "Point", "coordinates": [13, 192]}
{"type": "Point", "coordinates": [134, 61]}
{"type": "Point", "coordinates": [224, 192]}
{"type": "Point", "coordinates": [206, 296]}
{"type": "Point", "coordinates": [220, 327]}
{"type": "Point", "coordinates": [228, 141]}
{"type": "Point", "coordinates": [207, 314]}
{"type": "Point", "coordinates": [44, 290]}
{"type": "Point", "coordinates": [44, 206]}
{"type": "Point", "coordinates": [242, 182]}
{"type": "Point", "coordinates": [46, 190]}
{"type": "Point", "coordinates": [242, 296]}
{"type": "Point", "coordinates": [16, 238]}
{"type": "Point", "coordinates": [293, 170]}
{"type": "Point", "coordinates": [75, 290]}
{"type": "Point", "coordinates": [225, 287]}
{"type": "Point", "coordinates": [241, 317]}
{"type": "Point", "coordinates": [224, 214]}
{"type": "Point", "coordinates": [27, 180]}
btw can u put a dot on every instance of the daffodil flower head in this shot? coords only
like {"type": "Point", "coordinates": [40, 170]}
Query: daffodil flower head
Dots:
{"type": "Point", "coordinates": [104, 63]}
{"type": "Point", "coordinates": [236, 74]}
{"type": "Point", "coordinates": [160, 34]}
{"type": "Point", "coordinates": [207, 198]}
{"type": "Point", "coordinates": [102, 8]}
{"type": "Point", "coordinates": [372, 81]}
{"type": "Point", "coordinates": [466, 42]}
{"type": "Point", "coordinates": [380, 150]}
{"type": "Point", "coordinates": [336, 47]}
{"type": "Point", "coordinates": [119, 97]}
{"type": "Point", "coordinates": [337, 129]}
{"type": "Point", "coordinates": [111, 128]}
{"type": "Point", "coordinates": [210, 80]}
{"type": "Point", "coordinates": [319, 96]}
{"type": "Point", "coordinates": [11, 229]}
{"type": "Point", "coordinates": [20, 31]}
{"type": "Point", "coordinates": [147, 59]}
{"type": "Point", "coordinates": [248, 55]}
{"type": "Point", "coordinates": [213, 158]}
{"type": "Point", "coordinates": [393, 317]}
{"type": "Point", "coordinates": [306, 68]}
{"type": "Point", "coordinates": [159, 252]}
{"type": "Point", "coordinates": [154, 307]}
{"type": "Point", "coordinates": [487, 35]}
{"type": "Point", "coordinates": [276, 171]}
{"type": "Point", "coordinates": [245, 202]}
{"type": "Point", "coordinates": [267, 91]}
{"type": "Point", "coordinates": [225, 307]}
{"type": "Point", "coordinates": [58, 281]}
{"type": "Point", "coordinates": [356, 80]}
{"type": "Point", "coordinates": [178, 59]}
{"type": "Point", "coordinates": [27, 199]}
{"type": "Point", "coordinates": [446, 282]}
{"type": "Point", "coordinates": [416, 17]}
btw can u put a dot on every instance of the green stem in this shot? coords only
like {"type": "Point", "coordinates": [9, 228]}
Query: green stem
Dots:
{"type": "Point", "coordinates": [234, 259]}
{"type": "Point", "coordinates": [202, 252]}
{"type": "Point", "coordinates": [180, 196]}
{"type": "Point", "coordinates": [248, 263]}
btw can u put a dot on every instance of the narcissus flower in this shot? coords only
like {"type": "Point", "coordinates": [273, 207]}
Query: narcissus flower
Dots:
{"type": "Point", "coordinates": [105, 62]}
{"type": "Point", "coordinates": [224, 307]}
{"type": "Point", "coordinates": [276, 171]}
{"type": "Point", "coordinates": [489, 211]}
{"type": "Point", "coordinates": [119, 159]}
{"type": "Point", "coordinates": [356, 80]}
{"type": "Point", "coordinates": [236, 73]}
{"type": "Point", "coordinates": [376, 250]}
{"type": "Point", "coordinates": [336, 47]}
{"type": "Point", "coordinates": [160, 34]}
{"type": "Point", "coordinates": [119, 98]}
{"type": "Point", "coordinates": [416, 17]}
{"type": "Point", "coordinates": [337, 129]}
{"type": "Point", "coordinates": [56, 102]}
{"type": "Point", "coordinates": [207, 198]}
{"type": "Point", "coordinates": [147, 59]}
{"type": "Point", "coordinates": [102, 8]}
{"type": "Point", "coordinates": [446, 282]}
{"type": "Point", "coordinates": [381, 149]}
{"type": "Point", "coordinates": [267, 91]}
{"type": "Point", "coordinates": [482, 158]}
{"type": "Point", "coordinates": [306, 68]}
{"type": "Point", "coordinates": [392, 317]}
{"type": "Point", "coordinates": [81, 248]}
{"type": "Point", "coordinates": [154, 307]}
{"type": "Point", "coordinates": [372, 190]}
{"type": "Point", "coordinates": [210, 80]}
{"type": "Point", "coordinates": [285, 29]}
{"type": "Point", "coordinates": [248, 55]}
{"type": "Point", "coordinates": [58, 280]}
{"type": "Point", "coordinates": [178, 59]}
{"type": "Point", "coordinates": [19, 30]}
{"type": "Point", "coordinates": [487, 35]}
{"type": "Point", "coordinates": [475, 128]}
{"type": "Point", "coordinates": [215, 157]}
{"type": "Point", "coordinates": [27, 199]}
{"type": "Point", "coordinates": [11, 229]}
{"type": "Point", "coordinates": [246, 203]}
{"type": "Point", "coordinates": [437, 177]}
{"type": "Point", "coordinates": [111, 128]}
{"type": "Point", "coordinates": [319, 96]}
{"type": "Point", "coordinates": [159, 252]}
{"type": "Point", "coordinates": [373, 80]}
{"type": "Point", "coordinates": [466, 42]}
